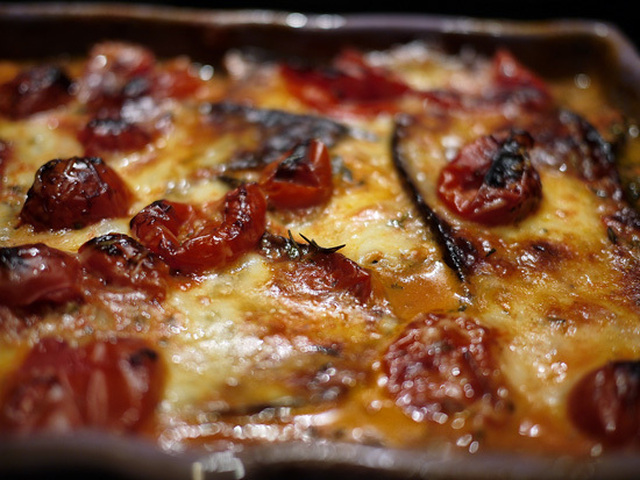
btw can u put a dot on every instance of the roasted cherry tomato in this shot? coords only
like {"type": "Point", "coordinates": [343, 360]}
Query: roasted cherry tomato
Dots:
{"type": "Point", "coordinates": [113, 385]}
{"type": "Point", "coordinates": [191, 239]}
{"type": "Point", "coordinates": [350, 84]}
{"type": "Point", "coordinates": [35, 274]}
{"type": "Point", "coordinates": [74, 193]}
{"type": "Point", "coordinates": [176, 79]}
{"type": "Point", "coordinates": [329, 274]}
{"type": "Point", "coordinates": [34, 90]}
{"type": "Point", "coordinates": [513, 82]}
{"type": "Point", "coordinates": [492, 180]}
{"type": "Point", "coordinates": [115, 72]}
{"type": "Point", "coordinates": [119, 260]}
{"type": "Point", "coordinates": [605, 403]}
{"type": "Point", "coordinates": [112, 134]}
{"type": "Point", "coordinates": [443, 364]}
{"type": "Point", "coordinates": [302, 178]}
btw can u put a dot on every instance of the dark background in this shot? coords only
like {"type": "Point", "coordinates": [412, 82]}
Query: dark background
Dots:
{"type": "Point", "coordinates": [616, 12]}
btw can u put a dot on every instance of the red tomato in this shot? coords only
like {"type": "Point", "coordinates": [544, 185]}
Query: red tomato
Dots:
{"type": "Point", "coordinates": [350, 84]}
{"type": "Point", "coordinates": [113, 385]}
{"type": "Point", "coordinates": [115, 71]}
{"type": "Point", "coordinates": [119, 260]}
{"type": "Point", "coordinates": [176, 79]}
{"type": "Point", "coordinates": [191, 239]}
{"type": "Point", "coordinates": [36, 273]}
{"type": "Point", "coordinates": [514, 82]}
{"type": "Point", "coordinates": [302, 178]}
{"type": "Point", "coordinates": [492, 181]}
{"type": "Point", "coordinates": [112, 134]}
{"type": "Point", "coordinates": [605, 403]}
{"type": "Point", "coordinates": [74, 193]}
{"type": "Point", "coordinates": [34, 90]}
{"type": "Point", "coordinates": [443, 364]}
{"type": "Point", "coordinates": [327, 274]}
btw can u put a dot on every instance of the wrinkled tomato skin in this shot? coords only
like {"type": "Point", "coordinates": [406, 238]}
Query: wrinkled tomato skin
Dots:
{"type": "Point", "coordinates": [36, 274]}
{"type": "Point", "coordinates": [115, 72]}
{"type": "Point", "coordinates": [350, 85]}
{"type": "Point", "coordinates": [492, 181]}
{"type": "Point", "coordinates": [112, 385]}
{"type": "Point", "coordinates": [112, 134]}
{"type": "Point", "coordinates": [176, 80]}
{"type": "Point", "coordinates": [328, 274]}
{"type": "Point", "coordinates": [442, 364]}
{"type": "Point", "coordinates": [191, 240]}
{"type": "Point", "coordinates": [34, 90]}
{"type": "Point", "coordinates": [73, 193]}
{"type": "Point", "coordinates": [301, 179]}
{"type": "Point", "coordinates": [515, 83]}
{"type": "Point", "coordinates": [121, 261]}
{"type": "Point", "coordinates": [605, 403]}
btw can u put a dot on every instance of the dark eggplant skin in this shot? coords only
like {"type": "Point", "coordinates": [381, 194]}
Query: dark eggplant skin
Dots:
{"type": "Point", "coordinates": [457, 253]}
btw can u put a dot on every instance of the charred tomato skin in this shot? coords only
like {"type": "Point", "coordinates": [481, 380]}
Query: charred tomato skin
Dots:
{"type": "Point", "coordinates": [492, 181]}
{"type": "Point", "coordinates": [301, 179]}
{"type": "Point", "coordinates": [34, 90]}
{"type": "Point", "coordinates": [36, 274]}
{"type": "Point", "coordinates": [73, 193]}
{"type": "Point", "coordinates": [118, 260]}
{"type": "Point", "coordinates": [112, 134]}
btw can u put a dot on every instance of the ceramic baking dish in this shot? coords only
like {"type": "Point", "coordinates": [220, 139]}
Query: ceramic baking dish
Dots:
{"type": "Point", "coordinates": [554, 48]}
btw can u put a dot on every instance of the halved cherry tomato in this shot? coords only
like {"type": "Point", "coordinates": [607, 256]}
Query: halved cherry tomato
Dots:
{"type": "Point", "coordinates": [605, 403]}
{"type": "Point", "coordinates": [443, 364]}
{"type": "Point", "coordinates": [176, 79]}
{"type": "Point", "coordinates": [115, 71]}
{"type": "Point", "coordinates": [515, 83]}
{"type": "Point", "coordinates": [113, 385]}
{"type": "Point", "coordinates": [74, 193]}
{"type": "Point", "coordinates": [191, 239]}
{"type": "Point", "coordinates": [112, 134]}
{"type": "Point", "coordinates": [36, 273]}
{"type": "Point", "coordinates": [119, 260]}
{"type": "Point", "coordinates": [350, 84]}
{"type": "Point", "coordinates": [34, 90]}
{"type": "Point", "coordinates": [302, 178]}
{"type": "Point", "coordinates": [492, 180]}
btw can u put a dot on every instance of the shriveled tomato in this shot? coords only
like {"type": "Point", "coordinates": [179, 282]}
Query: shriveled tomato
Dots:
{"type": "Point", "coordinates": [34, 90]}
{"type": "Point", "coordinates": [492, 180]}
{"type": "Point", "coordinates": [112, 134]}
{"type": "Point", "coordinates": [442, 364]}
{"type": "Point", "coordinates": [115, 71]}
{"type": "Point", "coordinates": [605, 403]}
{"type": "Point", "coordinates": [119, 260]}
{"type": "Point", "coordinates": [302, 178]}
{"type": "Point", "coordinates": [309, 270]}
{"type": "Point", "coordinates": [113, 385]}
{"type": "Point", "coordinates": [176, 79]}
{"type": "Point", "coordinates": [350, 84]}
{"type": "Point", "coordinates": [35, 273]}
{"type": "Point", "coordinates": [192, 239]}
{"type": "Point", "coordinates": [74, 193]}
{"type": "Point", "coordinates": [514, 82]}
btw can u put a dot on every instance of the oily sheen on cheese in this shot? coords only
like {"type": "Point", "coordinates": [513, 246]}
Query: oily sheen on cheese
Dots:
{"type": "Point", "coordinates": [403, 248]}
